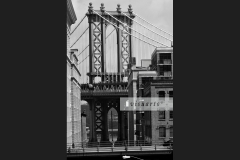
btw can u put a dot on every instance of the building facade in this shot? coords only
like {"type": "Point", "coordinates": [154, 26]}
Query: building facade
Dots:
{"type": "Point", "coordinates": [73, 86]}
{"type": "Point", "coordinates": [159, 124]}
{"type": "Point", "coordinates": [153, 79]}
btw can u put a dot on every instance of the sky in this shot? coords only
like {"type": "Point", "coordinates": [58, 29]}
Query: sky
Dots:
{"type": "Point", "coordinates": [157, 12]}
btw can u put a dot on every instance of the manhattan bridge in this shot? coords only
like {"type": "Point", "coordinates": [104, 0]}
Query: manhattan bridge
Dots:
{"type": "Point", "coordinates": [107, 41]}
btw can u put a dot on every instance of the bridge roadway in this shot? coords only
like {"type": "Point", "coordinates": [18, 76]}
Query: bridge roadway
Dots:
{"type": "Point", "coordinates": [119, 151]}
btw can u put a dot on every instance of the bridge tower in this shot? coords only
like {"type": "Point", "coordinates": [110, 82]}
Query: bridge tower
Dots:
{"type": "Point", "coordinates": [106, 94]}
{"type": "Point", "coordinates": [97, 40]}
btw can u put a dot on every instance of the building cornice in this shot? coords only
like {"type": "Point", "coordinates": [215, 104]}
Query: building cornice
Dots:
{"type": "Point", "coordinates": [162, 50]}
{"type": "Point", "coordinates": [74, 79]}
{"type": "Point", "coordinates": [73, 65]}
{"type": "Point", "coordinates": [73, 53]}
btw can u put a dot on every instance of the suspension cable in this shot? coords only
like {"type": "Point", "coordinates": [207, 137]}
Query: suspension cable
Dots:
{"type": "Point", "coordinates": [120, 29]}
{"type": "Point", "coordinates": [79, 37]}
{"type": "Point", "coordinates": [134, 30]}
{"type": "Point", "coordinates": [78, 25]}
{"type": "Point", "coordinates": [82, 50]}
{"type": "Point", "coordinates": [147, 28]}
{"type": "Point", "coordinates": [83, 60]}
{"type": "Point", "coordinates": [110, 33]}
{"type": "Point", "coordinates": [127, 32]}
{"type": "Point", "coordinates": [153, 25]}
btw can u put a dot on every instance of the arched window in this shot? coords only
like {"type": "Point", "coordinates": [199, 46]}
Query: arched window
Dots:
{"type": "Point", "coordinates": [113, 124]}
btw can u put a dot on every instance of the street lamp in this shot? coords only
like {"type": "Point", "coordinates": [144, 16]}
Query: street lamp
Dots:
{"type": "Point", "coordinates": [126, 157]}
{"type": "Point", "coordinates": [127, 105]}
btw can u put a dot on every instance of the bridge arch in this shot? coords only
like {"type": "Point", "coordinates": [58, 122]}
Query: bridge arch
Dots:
{"type": "Point", "coordinates": [113, 124]}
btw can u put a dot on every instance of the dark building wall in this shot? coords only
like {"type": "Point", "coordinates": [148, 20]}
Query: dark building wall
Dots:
{"type": "Point", "coordinates": [86, 108]}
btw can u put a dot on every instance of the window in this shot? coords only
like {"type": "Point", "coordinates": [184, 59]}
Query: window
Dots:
{"type": "Point", "coordinates": [161, 114]}
{"type": "Point", "coordinates": [162, 132]}
{"type": "Point", "coordinates": [161, 70]}
{"type": "Point", "coordinates": [165, 56]}
{"type": "Point", "coordinates": [138, 122]}
{"type": "Point", "coordinates": [170, 93]}
{"type": "Point", "coordinates": [171, 131]}
{"type": "Point", "coordinates": [171, 114]}
{"type": "Point", "coordinates": [167, 68]}
{"type": "Point", "coordinates": [171, 96]}
{"type": "Point", "coordinates": [161, 94]}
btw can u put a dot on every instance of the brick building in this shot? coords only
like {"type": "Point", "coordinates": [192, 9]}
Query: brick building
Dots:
{"type": "Point", "coordinates": [159, 124]}
{"type": "Point", "coordinates": [153, 79]}
{"type": "Point", "coordinates": [73, 86]}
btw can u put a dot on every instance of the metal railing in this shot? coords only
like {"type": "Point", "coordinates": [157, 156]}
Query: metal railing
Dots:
{"type": "Point", "coordinates": [118, 146]}
{"type": "Point", "coordinates": [101, 90]}
{"type": "Point", "coordinates": [104, 88]}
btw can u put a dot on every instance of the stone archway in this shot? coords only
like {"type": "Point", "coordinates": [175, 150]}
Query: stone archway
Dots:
{"type": "Point", "coordinates": [112, 124]}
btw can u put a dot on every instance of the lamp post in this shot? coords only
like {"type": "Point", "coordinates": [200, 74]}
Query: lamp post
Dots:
{"type": "Point", "coordinates": [126, 157]}
{"type": "Point", "coordinates": [112, 125]}
{"type": "Point", "coordinates": [127, 105]}
{"type": "Point", "coordinates": [140, 122]}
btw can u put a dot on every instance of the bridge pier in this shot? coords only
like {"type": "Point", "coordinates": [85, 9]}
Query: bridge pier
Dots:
{"type": "Point", "coordinates": [96, 113]}
{"type": "Point", "coordinates": [105, 136]}
{"type": "Point", "coordinates": [92, 136]}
